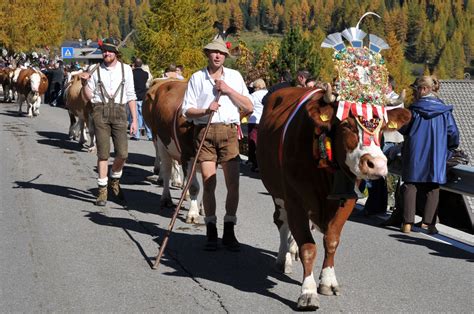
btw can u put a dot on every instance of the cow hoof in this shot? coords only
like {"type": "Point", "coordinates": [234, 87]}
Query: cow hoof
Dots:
{"type": "Point", "coordinates": [192, 219]}
{"type": "Point", "coordinates": [327, 290]}
{"type": "Point", "coordinates": [283, 269]}
{"type": "Point", "coordinates": [167, 204]}
{"type": "Point", "coordinates": [308, 302]}
{"type": "Point", "coordinates": [178, 185]}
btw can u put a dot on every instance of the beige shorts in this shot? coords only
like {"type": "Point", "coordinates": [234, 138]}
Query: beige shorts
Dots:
{"type": "Point", "coordinates": [221, 143]}
{"type": "Point", "coordinates": [110, 121]}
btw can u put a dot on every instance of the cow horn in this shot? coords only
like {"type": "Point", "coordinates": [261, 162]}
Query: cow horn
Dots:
{"type": "Point", "coordinates": [328, 96]}
{"type": "Point", "coordinates": [397, 101]}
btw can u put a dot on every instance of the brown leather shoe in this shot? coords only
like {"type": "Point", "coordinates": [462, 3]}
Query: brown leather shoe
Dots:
{"type": "Point", "coordinates": [114, 185]}
{"type": "Point", "coordinates": [101, 196]}
{"type": "Point", "coordinates": [406, 228]}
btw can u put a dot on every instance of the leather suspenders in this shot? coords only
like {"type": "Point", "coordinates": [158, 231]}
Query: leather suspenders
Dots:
{"type": "Point", "coordinates": [104, 95]}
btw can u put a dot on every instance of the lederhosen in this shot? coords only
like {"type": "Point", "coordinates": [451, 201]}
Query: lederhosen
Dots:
{"type": "Point", "coordinates": [110, 120]}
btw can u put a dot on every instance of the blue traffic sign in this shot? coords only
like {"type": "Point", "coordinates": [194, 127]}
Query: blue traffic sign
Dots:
{"type": "Point", "coordinates": [67, 52]}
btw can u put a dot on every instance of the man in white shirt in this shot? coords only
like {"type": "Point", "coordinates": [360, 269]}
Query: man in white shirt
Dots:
{"type": "Point", "coordinates": [222, 91]}
{"type": "Point", "coordinates": [109, 89]}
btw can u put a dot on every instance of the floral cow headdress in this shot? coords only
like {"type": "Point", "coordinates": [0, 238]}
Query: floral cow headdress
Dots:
{"type": "Point", "coordinates": [362, 79]}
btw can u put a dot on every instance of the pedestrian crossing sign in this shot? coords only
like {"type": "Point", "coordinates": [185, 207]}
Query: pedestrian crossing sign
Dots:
{"type": "Point", "coordinates": [67, 52]}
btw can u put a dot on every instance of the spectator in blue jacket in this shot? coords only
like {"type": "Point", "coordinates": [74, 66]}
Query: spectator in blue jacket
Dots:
{"type": "Point", "coordinates": [429, 137]}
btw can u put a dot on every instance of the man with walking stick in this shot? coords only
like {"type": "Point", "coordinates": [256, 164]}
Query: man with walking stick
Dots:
{"type": "Point", "coordinates": [109, 89]}
{"type": "Point", "coordinates": [218, 93]}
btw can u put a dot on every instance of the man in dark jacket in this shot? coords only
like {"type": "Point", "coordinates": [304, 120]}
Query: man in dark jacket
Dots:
{"type": "Point", "coordinates": [429, 137]}
{"type": "Point", "coordinates": [140, 78]}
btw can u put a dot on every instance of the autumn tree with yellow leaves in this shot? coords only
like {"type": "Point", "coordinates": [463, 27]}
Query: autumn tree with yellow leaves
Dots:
{"type": "Point", "coordinates": [32, 24]}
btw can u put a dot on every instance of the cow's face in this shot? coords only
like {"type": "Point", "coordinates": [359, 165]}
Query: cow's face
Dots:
{"type": "Point", "coordinates": [360, 140]}
{"type": "Point", "coordinates": [356, 140]}
{"type": "Point", "coordinates": [35, 80]}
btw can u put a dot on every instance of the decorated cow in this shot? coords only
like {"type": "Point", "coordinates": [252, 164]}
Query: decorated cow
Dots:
{"type": "Point", "coordinates": [315, 145]}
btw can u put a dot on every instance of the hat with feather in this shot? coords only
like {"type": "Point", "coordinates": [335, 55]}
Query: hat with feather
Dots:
{"type": "Point", "coordinates": [219, 41]}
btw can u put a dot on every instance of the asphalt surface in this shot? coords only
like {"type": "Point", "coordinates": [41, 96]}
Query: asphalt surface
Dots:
{"type": "Point", "coordinates": [61, 253]}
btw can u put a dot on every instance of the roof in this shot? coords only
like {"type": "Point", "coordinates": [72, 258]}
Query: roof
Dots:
{"type": "Point", "coordinates": [460, 94]}
{"type": "Point", "coordinates": [85, 50]}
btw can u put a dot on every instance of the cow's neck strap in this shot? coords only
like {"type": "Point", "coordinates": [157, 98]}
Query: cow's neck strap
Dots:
{"type": "Point", "coordinates": [299, 104]}
{"type": "Point", "coordinates": [104, 95]}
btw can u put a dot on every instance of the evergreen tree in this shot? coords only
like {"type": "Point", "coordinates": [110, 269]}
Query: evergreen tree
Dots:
{"type": "Point", "coordinates": [175, 32]}
{"type": "Point", "coordinates": [296, 54]}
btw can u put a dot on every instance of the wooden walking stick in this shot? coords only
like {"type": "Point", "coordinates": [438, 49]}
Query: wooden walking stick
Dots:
{"type": "Point", "coordinates": [183, 195]}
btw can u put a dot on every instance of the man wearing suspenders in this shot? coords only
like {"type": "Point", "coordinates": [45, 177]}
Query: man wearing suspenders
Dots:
{"type": "Point", "coordinates": [109, 89]}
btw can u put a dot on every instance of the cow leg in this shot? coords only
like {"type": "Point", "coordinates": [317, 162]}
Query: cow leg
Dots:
{"type": "Point", "coordinates": [20, 100]}
{"type": "Point", "coordinates": [83, 132]}
{"type": "Point", "coordinates": [288, 250]}
{"type": "Point", "coordinates": [193, 213]}
{"type": "Point", "coordinates": [176, 175]}
{"type": "Point", "coordinates": [165, 173]}
{"type": "Point", "coordinates": [156, 167]}
{"type": "Point", "coordinates": [72, 125]}
{"type": "Point", "coordinates": [29, 107]}
{"type": "Point", "coordinates": [36, 105]}
{"type": "Point", "coordinates": [90, 127]}
{"type": "Point", "coordinates": [300, 228]}
{"type": "Point", "coordinates": [328, 283]}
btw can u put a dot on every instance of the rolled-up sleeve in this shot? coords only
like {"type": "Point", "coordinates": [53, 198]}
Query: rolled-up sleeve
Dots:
{"type": "Point", "coordinates": [190, 97]}
{"type": "Point", "coordinates": [129, 85]}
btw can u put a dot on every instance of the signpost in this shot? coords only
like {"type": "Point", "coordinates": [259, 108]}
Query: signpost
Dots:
{"type": "Point", "coordinates": [67, 52]}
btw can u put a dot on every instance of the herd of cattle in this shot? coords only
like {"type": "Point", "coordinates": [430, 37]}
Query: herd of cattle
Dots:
{"type": "Point", "coordinates": [292, 121]}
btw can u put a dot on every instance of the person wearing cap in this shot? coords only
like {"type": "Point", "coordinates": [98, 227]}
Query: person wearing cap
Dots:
{"type": "Point", "coordinates": [429, 136]}
{"type": "Point", "coordinates": [109, 89]}
{"type": "Point", "coordinates": [221, 91]}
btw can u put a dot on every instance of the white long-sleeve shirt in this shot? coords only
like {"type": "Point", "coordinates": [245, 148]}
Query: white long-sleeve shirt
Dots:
{"type": "Point", "coordinates": [257, 98]}
{"type": "Point", "coordinates": [201, 92]}
{"type": "Point", "coordinates": [112, 78]}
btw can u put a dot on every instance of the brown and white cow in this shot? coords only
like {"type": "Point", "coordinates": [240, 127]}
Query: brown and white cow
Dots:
{"type": "Point", "coordinates": [172, 137]}
{"type": "Point", "coordinates": [31, 84]}
{"type": "Point", "coordinates": [79, 113]}
{"type": "Point", "coordinates": [5, 80]}
{"type": "Point", "coordinates": [289, 160]}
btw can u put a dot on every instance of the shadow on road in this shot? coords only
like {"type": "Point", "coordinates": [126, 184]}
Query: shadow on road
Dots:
{"type": "Point", "coordinates": [441, 249]}
{"type": "Point", "coordinates": [59, 140]}
{"type": "Point", "coordinates": [11, 113]}
{"type": "Point", "coordinates": [250, 271]}
{"type": "Point", "coordinates": [58, 190]}
{"type": "Point", "coordinates": [141, 159]}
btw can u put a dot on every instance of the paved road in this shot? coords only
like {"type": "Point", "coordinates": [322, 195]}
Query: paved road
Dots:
{"type": "Point", "coordinates": [61, 253]}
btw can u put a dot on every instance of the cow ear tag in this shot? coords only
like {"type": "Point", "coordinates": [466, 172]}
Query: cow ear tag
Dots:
{"type": "Point", "coordinates": [324, 117]}
{"type": "Point", "coordinates": [392, 125]}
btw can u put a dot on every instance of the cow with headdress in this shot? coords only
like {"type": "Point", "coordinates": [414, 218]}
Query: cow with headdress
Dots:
{"type": "Point", "coordinates": [315, 145]}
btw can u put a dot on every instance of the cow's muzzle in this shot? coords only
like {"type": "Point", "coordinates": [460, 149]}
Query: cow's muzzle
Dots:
{"type": "Point", "coordinates": [373, 167]}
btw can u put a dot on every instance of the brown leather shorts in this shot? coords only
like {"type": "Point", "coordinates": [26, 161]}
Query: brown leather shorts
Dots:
{"type": "Point", "coordinates": [221, 143]}
{"type": "Point", "coordinates": [110, 120]}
